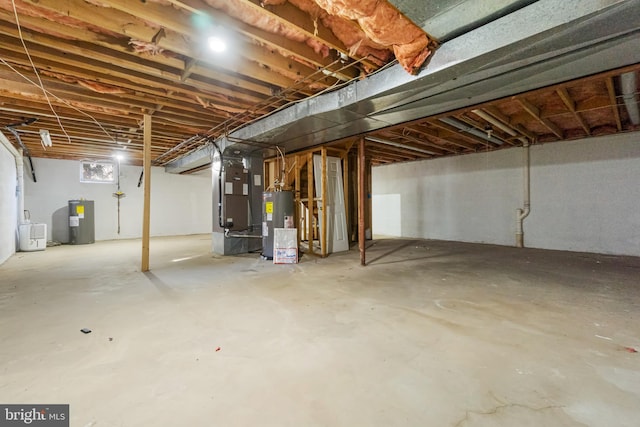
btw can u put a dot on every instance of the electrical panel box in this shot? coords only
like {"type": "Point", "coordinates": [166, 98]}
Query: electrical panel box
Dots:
{"type": "Point", "coordinates": [235, 192]}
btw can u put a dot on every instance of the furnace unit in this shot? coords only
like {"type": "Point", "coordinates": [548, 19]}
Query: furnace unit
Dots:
{"type": "Point", "coordinates": [235, 214]}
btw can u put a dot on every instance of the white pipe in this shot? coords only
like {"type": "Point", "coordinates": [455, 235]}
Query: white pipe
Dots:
{"type": "Point", "coordinates": [17, 155]}
{"type": "Point", "coordinates": [470, 129]}
{"type": "Point", "coordinates": [521, 214]}
{"type": "Point", "coordinates": [629, 89]}
{"type": "Point", "coordinates": [397, 144]}
{"type": "Point", "coordinates": [497, 123]}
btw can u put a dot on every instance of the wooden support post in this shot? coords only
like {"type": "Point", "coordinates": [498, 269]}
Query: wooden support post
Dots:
{"type": "Point", "coordinates": [362, 200]}
{"type": "Point", "coordinates": [323, 234]}
{"type": "Point", "coordinates": [296, 196]}
{"type": "Point", "coordinates": [368, 225]}
{"type": "Point", "coordinates": [146, 212]}
{"type": "Point", "coordinates": [310, 200]}
{"type": "Point", "coordinates": [353, 188]}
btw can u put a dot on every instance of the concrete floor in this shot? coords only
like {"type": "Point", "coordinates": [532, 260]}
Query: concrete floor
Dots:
{"type": "Point", "coordinates": [430, 334]}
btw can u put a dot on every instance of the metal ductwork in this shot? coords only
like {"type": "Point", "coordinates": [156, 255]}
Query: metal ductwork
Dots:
{"type": "Point", "coordinates": [629, 86]}
{"type": "Point", "coordinates": [544, 43]}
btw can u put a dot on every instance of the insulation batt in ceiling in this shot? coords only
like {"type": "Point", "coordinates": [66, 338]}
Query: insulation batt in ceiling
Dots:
{"type": "Point", "coordinates": [248, 15]}
{"type": "Point", "coordinates": [379, 26]}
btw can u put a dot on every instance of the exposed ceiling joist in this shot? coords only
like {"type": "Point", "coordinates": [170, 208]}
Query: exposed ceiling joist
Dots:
{"type": "Point", "coordinates": [535, 113]}
{"type": "Point", "coordinates": [115, 60]}
{"type": "Point", "coordinates": [563, 93]}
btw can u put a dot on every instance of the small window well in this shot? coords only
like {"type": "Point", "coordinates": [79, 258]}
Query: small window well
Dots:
{"type": "Point", "coordinates": [98, 172]}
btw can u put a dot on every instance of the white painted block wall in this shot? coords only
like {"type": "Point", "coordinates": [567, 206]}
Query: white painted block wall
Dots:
{"type": "Point", "coordinates": [8, 204]}
{"type": "Point", "coordinates": [585, 196]}
{"type": "Point", "coordinates": [180, 204]}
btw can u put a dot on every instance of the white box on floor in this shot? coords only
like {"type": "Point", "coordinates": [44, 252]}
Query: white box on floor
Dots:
{"type": "Point", "coordinates": [285, 245]}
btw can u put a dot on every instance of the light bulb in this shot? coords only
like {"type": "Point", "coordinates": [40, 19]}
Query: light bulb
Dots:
{"type": "Point", "coordinates": [216, 44]}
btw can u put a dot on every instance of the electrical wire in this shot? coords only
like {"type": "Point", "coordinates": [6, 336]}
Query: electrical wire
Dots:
{"type": "Point", "coordinates": [12, 68]}
{"type": "Point", "coordinates": [216, 147]}
{"type": "Point", "coordinates": [239, 120]}
{"type": "Point", "coordinates": [282, 173]}
{"type": "Point", "coordinates": [35, 70]}
{"type": "Point", "coordinates": [236, 122]}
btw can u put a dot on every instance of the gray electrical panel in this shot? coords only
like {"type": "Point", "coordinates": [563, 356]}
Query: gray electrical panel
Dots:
{"type": "Point", "coordinates": [277, 212]}
{"type": "Point", "coordinates": [81, 222]}
{"type": "Point", "coordinates": [235, 191]}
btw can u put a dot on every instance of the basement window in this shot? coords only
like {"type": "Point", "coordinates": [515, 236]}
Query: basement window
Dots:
{"type": "Point", "coordinates": [98, 172]}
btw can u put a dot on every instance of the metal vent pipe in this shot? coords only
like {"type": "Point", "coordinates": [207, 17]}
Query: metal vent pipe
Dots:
{"type": "Point", "coordinates": [629, 86]}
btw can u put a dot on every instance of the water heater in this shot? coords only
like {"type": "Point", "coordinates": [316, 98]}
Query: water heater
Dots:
{"type": "Point", "coordinates": [277, 212]}
{"type": "Point", "coordinates": [81, 222]}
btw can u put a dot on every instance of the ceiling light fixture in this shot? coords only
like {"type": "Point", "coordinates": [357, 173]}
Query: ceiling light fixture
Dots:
{"type": "Point", "coordinates": [46, 138]}
{"type": "Point", "coordinates": [217, 44]}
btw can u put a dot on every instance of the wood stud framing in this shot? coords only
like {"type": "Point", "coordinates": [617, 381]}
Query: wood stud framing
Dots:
{"type": "Point", "coordinates": [310, 201]}
{"type": "Point", "coordinates": [306, 200]}
{"type": "Point", "coordinates": [362, 200]}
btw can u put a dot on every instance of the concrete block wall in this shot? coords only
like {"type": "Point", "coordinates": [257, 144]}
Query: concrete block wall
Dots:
{"type": "Point", "coordinates": [585, 196]}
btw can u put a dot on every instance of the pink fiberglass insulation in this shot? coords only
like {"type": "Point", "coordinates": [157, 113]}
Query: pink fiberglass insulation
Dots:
{"type": "Point", "coordinates": [247, 14]}
{"type": "Point", "coordinates": [379, 26]}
